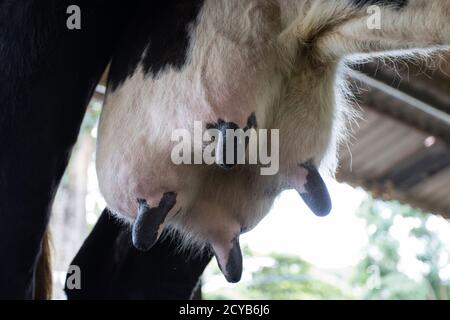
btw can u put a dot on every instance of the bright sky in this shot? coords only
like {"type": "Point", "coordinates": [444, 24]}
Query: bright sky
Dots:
{"type": "Point", "coordinates": [331, 242]}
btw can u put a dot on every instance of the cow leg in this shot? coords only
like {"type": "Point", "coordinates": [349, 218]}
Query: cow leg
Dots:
{"type": "Point", "coordinates": [47, 76]}
{"type": "Point", "coordinates": [113, 269]}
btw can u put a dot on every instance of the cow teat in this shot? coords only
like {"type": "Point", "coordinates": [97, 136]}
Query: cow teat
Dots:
{"type": "Point", "coordinates": [313, 190]}
{"type": "Point", "coordinates": [149, 223]}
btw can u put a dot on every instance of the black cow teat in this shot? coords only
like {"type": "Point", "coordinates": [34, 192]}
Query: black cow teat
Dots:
{"type": "Point", "coordinates": [315, 192]}
{"type": "Point", "coordinates": [147, 226]}
{"type": "Point", "coordinates": [234, 266]}
{"type": "Point", "coordinates": [229, 259]}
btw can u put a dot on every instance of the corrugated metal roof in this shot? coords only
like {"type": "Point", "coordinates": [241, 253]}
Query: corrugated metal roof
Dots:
{"type": "Point", "coordinates": [400, 150]}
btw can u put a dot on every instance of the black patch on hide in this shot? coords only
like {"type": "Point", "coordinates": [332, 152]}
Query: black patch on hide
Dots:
{"type": "Point", "coordinates": [158, 36]}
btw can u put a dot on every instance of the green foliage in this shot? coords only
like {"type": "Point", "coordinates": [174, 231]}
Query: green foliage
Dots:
{"type": "Point", "coordinates": [290, 278]}
{"type": "Point", "coordinates": [287, 278]}
{"type": "Point", "coordinates": [382, 255]}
